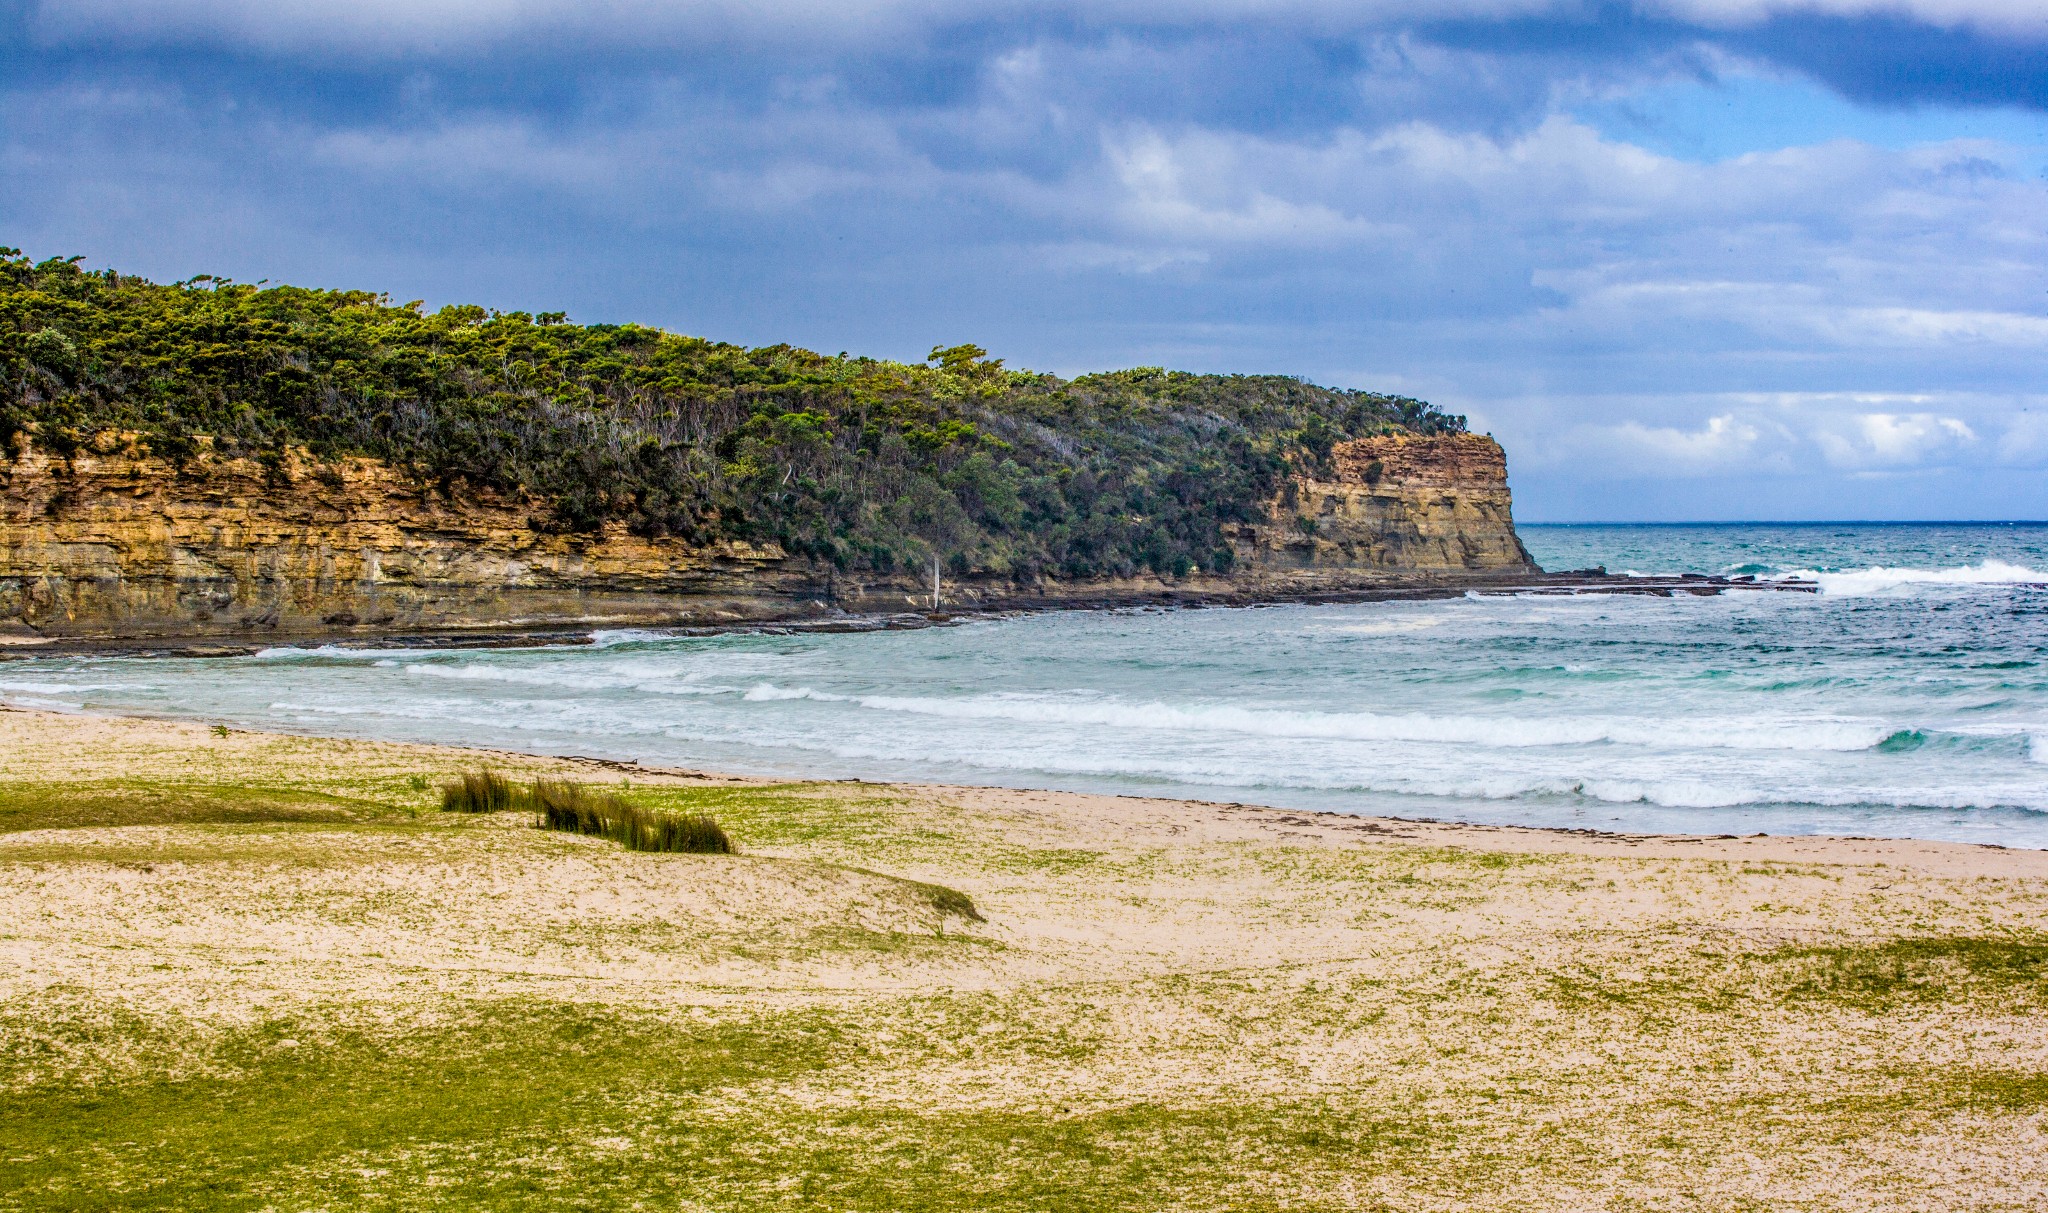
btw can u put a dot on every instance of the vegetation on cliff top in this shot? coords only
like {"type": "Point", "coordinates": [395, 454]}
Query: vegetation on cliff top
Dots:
{"type": "Point", "coordinates": [863, 463]}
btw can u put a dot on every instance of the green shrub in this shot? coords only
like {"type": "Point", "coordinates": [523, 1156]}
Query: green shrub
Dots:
{"type": "Point", "coordinates": [577, 809]}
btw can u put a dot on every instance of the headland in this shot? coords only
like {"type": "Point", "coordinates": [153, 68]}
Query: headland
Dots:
{"type": "Point", "coordinates": [124, 551]}
{"type": "Point", "coordinates": [208, 463]}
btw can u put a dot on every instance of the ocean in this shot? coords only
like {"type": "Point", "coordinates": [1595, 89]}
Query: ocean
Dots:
{"type": "Point", "coordinates": [1908, 698]}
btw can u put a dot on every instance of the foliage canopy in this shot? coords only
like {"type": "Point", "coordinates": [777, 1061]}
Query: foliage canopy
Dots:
{"type": "Point", "coordinates": [861, 463]}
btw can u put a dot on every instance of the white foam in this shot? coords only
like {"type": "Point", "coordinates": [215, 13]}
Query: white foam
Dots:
{"type": "Point", "coordinates": [1389, 627]}
{"type": "Point", "coordinates": [1879, 580]}
{"type": "Point", "coordinates": [1670, 793]}
{"type": "Point", "coordinates": [430, 709]}
{"type": "Point", "coordinates": [65, 688]}
{"type": "Point", "coordinates": [1449, 782]}
{"type": "Point", "coordinates": [769, 693]}
{"type": "Point", "coordinates": [1819, 733]}
{"type": "Point", "coordinates": [618, 676]}
{"type": "Point", "coordinates": [293, 652]}
{"type": "Point", "coordinates": [605, 638]}
{"type": "Point", "coordinates": [511, 716]}
{"type": "Point", "coordinates": [1768, 711]}
{"type": "Point", "coordinates": [42, 703]}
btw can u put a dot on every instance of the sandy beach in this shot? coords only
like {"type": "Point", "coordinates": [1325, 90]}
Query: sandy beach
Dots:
{"type": "Point", "coordinates": [250, 970]}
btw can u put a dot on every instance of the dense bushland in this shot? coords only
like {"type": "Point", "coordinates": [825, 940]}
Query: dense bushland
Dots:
{"type": "Point", "coordinates": [861, 463]}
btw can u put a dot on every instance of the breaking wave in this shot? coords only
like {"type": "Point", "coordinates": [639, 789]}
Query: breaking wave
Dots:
{"type": "Point", "coordinates": [1813, 734]}
{"type": "Point", "coordinates": [1879, 580]}
{"type": "Point", "coordinates": [1449, 783]}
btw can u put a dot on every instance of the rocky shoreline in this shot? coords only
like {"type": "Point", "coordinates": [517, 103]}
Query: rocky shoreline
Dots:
{"type": "Point", "coordinates": [129, 550]}
{"type": "Point", "coordinates": [1574, 583]}
{"type": "Point", "coordinates": [123, 553]}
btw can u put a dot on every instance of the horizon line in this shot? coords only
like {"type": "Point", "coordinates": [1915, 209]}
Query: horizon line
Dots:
{"type": "Point", "coordinates": [1796, 522]}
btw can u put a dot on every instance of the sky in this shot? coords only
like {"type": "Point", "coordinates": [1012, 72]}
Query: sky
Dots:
{"type": "Point", "coordinates": [1686, 259]}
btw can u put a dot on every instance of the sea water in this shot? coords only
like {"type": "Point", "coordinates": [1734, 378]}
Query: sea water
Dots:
{"type": "Point", "coordinates": [1908, 697]}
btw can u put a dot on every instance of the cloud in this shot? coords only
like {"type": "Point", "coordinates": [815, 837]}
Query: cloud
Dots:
{"type": "Point", "coordinates": [2003, 16]}
{"type": "Point", "coordinates": [471, 153]}
{"type": "Point", "coordinates": [1723, 442]}
{"type": "Point", "coordinates": [392, 26]}
{"type": "Point", "coordinates": [1757, 437]}
{"type": "Point", "coordinates": [439, 26]}
{"type": "Point", "coordinates": [1204, 188]}
{"type": "Point", "coordinates": [1890, 440]}
{"type": "Point", "coordinates": [1081, 256]}
{"type": "Point", "coordinates": [1396, 196]}
{"type": "Point", "coordinates": [2025, 440]}
{"type": "Point", "coordinates": [1895, 326]}
{"type": "Point", "coordinates": [1839, 247]}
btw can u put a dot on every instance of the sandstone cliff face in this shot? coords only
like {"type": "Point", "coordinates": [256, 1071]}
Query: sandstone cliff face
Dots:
{"type": "Point", "coordinates": [115, 545]}
{"type": "Point", "coordinates": [119, 545]}
{"type": "Point", "coordinates": [1398, 503]}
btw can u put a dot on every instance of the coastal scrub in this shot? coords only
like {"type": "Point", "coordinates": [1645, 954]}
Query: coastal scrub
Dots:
{"type": "Point", "coordinates": [862, 464]}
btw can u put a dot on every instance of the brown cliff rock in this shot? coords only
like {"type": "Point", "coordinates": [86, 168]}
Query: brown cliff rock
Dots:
{"type": "Point", "coordinates": [120, 545]}
{"type": "Point", "coordinates": [1397, 504]}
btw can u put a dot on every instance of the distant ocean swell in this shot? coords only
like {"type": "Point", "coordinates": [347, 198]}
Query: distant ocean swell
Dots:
{"type": "Point", "coordinates": [1417, 787]}
{"type": "Point", "coordinates": [1509, 732]}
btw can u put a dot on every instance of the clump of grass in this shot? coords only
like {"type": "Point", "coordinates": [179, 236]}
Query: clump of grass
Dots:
{"type": "Point", "coordinates": [948, 901]}
{"type": "Point", "coordinates": [577, 809]}
{"type": "Point", "coordinates": [480, 792]}
{"type": "Point", "coordinates": [580, 809]}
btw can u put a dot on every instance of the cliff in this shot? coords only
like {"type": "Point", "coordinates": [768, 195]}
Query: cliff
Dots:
{"type": "Point", "coordinates": [1398, 503]}
{"type": "Point", "coordinates": [118, 544]}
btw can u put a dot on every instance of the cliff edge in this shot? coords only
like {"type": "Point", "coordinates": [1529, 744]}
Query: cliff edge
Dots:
{"type": "Point", "coordinates": [122, 545]}
{"type": "Point", "coordinates": [1396, 503]}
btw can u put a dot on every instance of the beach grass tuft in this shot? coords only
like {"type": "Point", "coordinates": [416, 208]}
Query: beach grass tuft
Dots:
{"type": "Point", "coordinates": [576, 808]}
{"type": "Point", "coordinates": [949, 902]}
{"type": "Point", "coordinates": [480, 792]}
{"type": "Point", "coordinates": [579, 809]}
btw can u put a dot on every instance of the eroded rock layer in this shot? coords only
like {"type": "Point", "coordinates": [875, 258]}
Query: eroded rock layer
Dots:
{"type": "Point", "coordinates": [1397, 504]}
{"type": "Point", "coordinates": [120, 546]}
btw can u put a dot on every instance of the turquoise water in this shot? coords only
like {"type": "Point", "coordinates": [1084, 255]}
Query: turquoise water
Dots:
{"type": "Point", "coordinates": [1910, 697]}
{"type": "Point", "coordinates": [1955, 551]}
